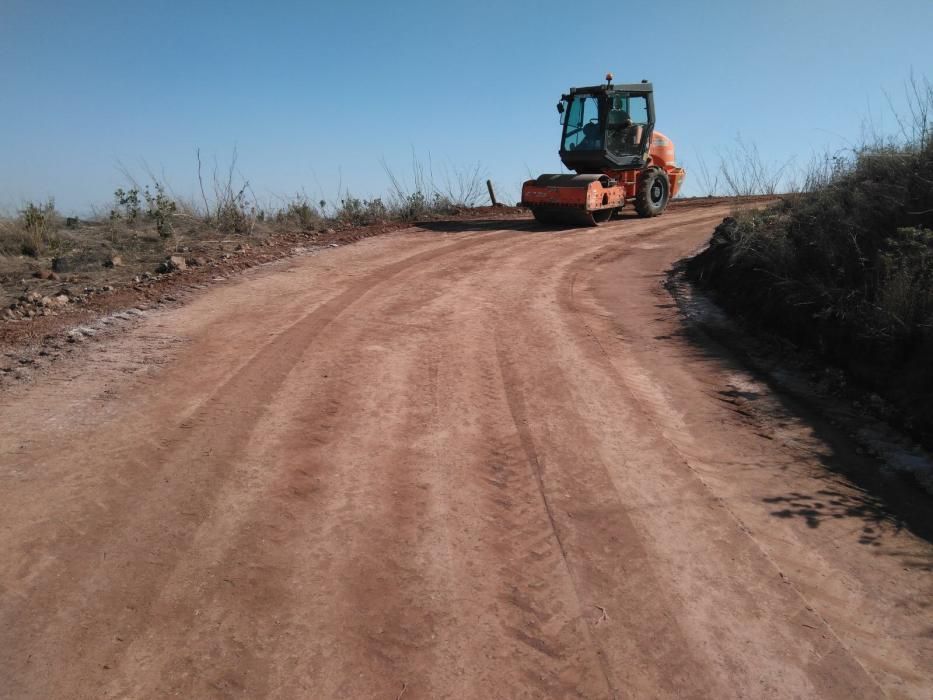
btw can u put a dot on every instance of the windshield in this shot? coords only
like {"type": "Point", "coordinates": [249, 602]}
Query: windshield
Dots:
{"type": "Point", "coordinates": [621, 120]}
{"type": "Point", "coordinates": [582, 131]}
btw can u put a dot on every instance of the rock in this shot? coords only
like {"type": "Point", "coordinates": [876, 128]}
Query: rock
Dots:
{"type": "Point", "coordinates": [54, 301]}
{"type": "Point", "coordinates": [242, 248]}
{"type": "Point", "coordinates": [114, 261]}
{"type": "Point", "coordinates": [32, 297]}
{"type": "Point", "coordinates": [43, 274]}
{"type": "Point", "coordinates": [172, 264]}
{"type": "Point", "coordinates": [77, 261]}
{"type": "Point", "coordinates": [197, 262]}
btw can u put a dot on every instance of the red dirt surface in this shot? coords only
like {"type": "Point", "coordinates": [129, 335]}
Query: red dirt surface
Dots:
{"type": "Point", "coordinates": [469, 460]}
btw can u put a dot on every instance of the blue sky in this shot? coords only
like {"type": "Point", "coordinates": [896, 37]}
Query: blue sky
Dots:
{"type": "Point", "coordinates": [315, 94]}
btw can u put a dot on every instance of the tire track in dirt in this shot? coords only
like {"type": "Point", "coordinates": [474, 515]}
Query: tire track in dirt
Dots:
{"type": "Point", "coordinates": [635, 345]}
{"type": "Point", "coordinates": [606, 549]}
{"type": "Point", "coordinates": [324, 421]}
{"type": "Point", "coordinates": [175, 504]}
{"type": "Point", "coordinates": [520, 421]}
{"type": "Point", "coordinates": [658, 419]}
{"type": "Point", "coordinates": [537, 606]}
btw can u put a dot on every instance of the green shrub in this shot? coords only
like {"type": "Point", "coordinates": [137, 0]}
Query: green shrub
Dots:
{"type": "Point", "coordinates": [161, 209]}
{"type": "Point", "coordinates": [37, 223]}
{"type": "Point", "coordinates": [845, 268]}
{"type": "Point", "coordinates": [300, 213]}
{"type": "Point", "coordinates": [361, 212]}
{"type": "Point", "coordinates": [126, 206]}
{"type": "Point", "coordinates": [233, 213]}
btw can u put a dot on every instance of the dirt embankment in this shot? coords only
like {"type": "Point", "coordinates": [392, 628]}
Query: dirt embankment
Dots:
{"type": "Point", "coordinates": [845, 268]}
{"type": "Point", "coordinates": [869, 355]}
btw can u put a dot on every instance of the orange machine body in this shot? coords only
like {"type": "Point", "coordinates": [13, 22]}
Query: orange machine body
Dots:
{"type": "Point", "coordinates": [613, 189]}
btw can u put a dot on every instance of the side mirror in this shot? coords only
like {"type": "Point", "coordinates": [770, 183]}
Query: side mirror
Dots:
{"type": "Point", "coordinates": [560, 107]}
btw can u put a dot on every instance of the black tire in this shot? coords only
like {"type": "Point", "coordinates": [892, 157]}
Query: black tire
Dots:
{"type": "Point", "coordinates": [653, 194]}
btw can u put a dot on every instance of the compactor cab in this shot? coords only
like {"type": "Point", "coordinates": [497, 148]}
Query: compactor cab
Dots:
{"type": "Point", "coordinates": [608, 139]}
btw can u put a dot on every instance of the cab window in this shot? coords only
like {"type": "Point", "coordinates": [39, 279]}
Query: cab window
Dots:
{"type": "Point", "coordinates": [626, 121]}
{"type": "Point", "coordinates": [582, 131]}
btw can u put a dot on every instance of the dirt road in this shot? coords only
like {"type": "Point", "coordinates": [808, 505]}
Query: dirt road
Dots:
{"type": "Point", "coordinates": [464, 462]}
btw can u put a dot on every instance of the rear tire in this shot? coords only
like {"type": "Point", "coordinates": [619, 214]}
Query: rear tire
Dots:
{"type": "Point", "coordinates": [654, 192]}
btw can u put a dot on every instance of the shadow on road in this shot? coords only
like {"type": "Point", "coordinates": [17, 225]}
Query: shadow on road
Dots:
{"type": "Point", "coordinates": [873, 516]}
{"type": "Point", "coordinates": [879, 503]}
{"type": "Point", "coordinates": [826, 504]}
{"type": "Point", "coordinates": [474, 225]}
{"type": "Point", "coordinates": [517, 225]}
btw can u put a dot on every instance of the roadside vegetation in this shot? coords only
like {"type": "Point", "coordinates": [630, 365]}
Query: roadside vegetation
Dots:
{"type": "Point", "coordinates": [145, 229]}
{"type": "Point", "coordinates": [845, 265]}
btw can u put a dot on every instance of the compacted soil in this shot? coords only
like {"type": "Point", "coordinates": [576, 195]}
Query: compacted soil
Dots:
{"type": "Point", "coordinates": [467, 460]}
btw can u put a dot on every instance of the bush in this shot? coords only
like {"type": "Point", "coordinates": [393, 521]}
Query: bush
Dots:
{"type": "Point", "coordinates": [126, 206]}
{"type": "Point", "coordinates": [161, 209]}
{"type": "Point", "coordinates": [301, 213]}
{"type": "Point", "coordinates": [234, 209]}
{"type": "Point", "coordinates": [37, 223]}
{"type": "Point", "coordinates": [360, 212]}
{"type": "Point", "coordinates": [461, 187]}
{"type": "Point", "coordinates": [845, 267]}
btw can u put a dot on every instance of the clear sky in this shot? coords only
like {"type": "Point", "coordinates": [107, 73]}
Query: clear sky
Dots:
{"type": "Point", "coordinates": [315, 94]}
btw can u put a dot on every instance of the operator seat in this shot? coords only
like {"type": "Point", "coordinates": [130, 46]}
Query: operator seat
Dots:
{"type": "Point", "coordinates": [621, 133]}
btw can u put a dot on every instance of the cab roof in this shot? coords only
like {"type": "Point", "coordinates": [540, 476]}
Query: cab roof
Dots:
{"type": "Point", "coordinates": [643, 88]}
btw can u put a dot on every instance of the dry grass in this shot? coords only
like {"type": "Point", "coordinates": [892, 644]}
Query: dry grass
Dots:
{"type": "Point", "coordinates": [145, 222]}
